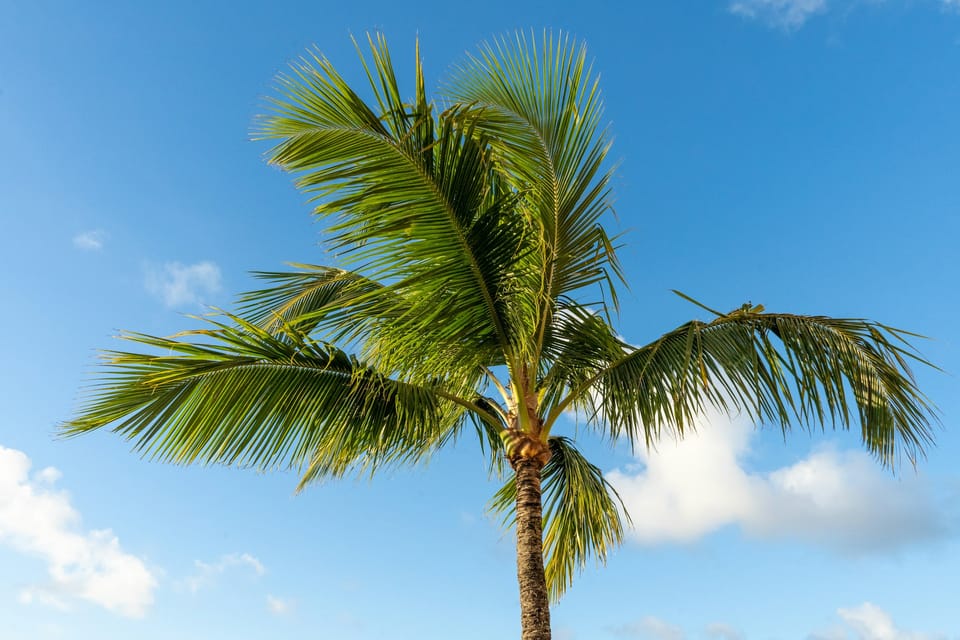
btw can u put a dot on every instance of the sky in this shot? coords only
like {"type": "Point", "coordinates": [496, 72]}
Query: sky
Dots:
{"type": "Point", "coordinates": [801, 154]}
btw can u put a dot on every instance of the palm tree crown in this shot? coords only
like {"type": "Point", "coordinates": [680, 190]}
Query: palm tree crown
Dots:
{"type": "Point", "coordinates": [468, 234]}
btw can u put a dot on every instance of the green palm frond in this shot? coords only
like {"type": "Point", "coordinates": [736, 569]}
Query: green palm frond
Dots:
{"type": "Point", "coordinates": [539, 103]}
{"type": "Point", "coordinates": [333, 299]}
{"type": "Point", "coordinates": [490, 434]}
{"type": "Point", "coordinates": [415, 203]}
{"type": "Point", "coordinates": [582, 516]}
{"type": "Point", "coordinates": [778, 368]}
{"type": "Point", "coordinates": [240, 395]}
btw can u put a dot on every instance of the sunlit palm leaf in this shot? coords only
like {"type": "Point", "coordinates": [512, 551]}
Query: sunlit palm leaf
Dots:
{"type": "Point", "coordinates": [418, 206]}
{"type": "Point", "coordinates": [244, 396]}
{"type": "Point", "coordinates": [317, 296]}
{"type": "Point", "coordinates": [539, 103]}
{"type": "Point", "coordinates": [778, 368]}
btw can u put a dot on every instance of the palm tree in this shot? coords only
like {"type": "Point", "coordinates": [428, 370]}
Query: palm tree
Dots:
{"type": "Point", "coordinates": [474, 287]}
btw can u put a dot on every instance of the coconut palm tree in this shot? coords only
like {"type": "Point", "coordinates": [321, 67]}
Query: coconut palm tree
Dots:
{"type": "Point", "coordinates": [473, 289]}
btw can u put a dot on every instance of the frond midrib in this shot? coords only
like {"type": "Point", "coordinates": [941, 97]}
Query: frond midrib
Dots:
{"type": "Point", "coordinates": [450, 214]}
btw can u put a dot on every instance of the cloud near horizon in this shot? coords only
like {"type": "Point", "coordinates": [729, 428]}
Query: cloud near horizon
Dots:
{"type": "Point", "coordinates": [722, 631]}
{"type": "Point", "coordinates": [38, 520]}
{"type": "Point", "coordinates": [864, 622]}
{"type": "Point", "coordinates": [841, 500]}
{"type": "Point", "coordinates": [869, 622]}
{"type": "Point", "coordinates": [649, 628]}
{"type": "Point", "coordinates": [180, 285]}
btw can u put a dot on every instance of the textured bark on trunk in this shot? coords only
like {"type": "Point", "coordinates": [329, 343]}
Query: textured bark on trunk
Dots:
{"type": "Point", "coordinates": [534, 601]}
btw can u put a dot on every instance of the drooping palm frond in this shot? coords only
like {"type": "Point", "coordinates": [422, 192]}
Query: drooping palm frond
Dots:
{"type": "Point", "coordinates": [778, 368]}
{"type": "Point", "coordinates": [490, 434]}
{"type": "Point", "coordinates": [336, 300]}
{"type": "Point", "coordinates": [240, 395]}
{"type": "Point", "coordinates": [539, 103]}
{"type": "Point", "coordinates": [582, 516]}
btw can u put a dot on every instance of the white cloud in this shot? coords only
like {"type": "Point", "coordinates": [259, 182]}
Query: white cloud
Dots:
{"type": "Point", "coordinates": [279, 606]}
{"type": "Point", "coordinates": [723, 632]}
{"type": "Point", "coordinates": [793, 14]}
{"type": "Point", "coordinates": [48, 475]}
{"type": "Point", "coordinates": [785, 14]}
{"type": "Point", "coordinates": [865, 622]}
{"type": "Point", "coordinates": [839, 499]}
{"type": "Point", "coordinates": [178, 284]}
{"type": "Point", "coordinates": [562, 633]}
{"type": "Point", "coordinates": [45, 596]}
{"type": "Point", "coordinates": [38, 520]}
{"type": "Point", "coordinates": [834, 633]}
{"type": "Point", "coordinates": [207, 573]}
{"type": "Point", "coordinates": [90, 240]}
{"type": "Point", "coordinates": [869, 622]}
{"type": "Point", "coordinates": [650, 628]}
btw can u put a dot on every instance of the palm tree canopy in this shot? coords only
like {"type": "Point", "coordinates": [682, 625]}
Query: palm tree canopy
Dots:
{"type": "Point", "coordinates": [467, 231]}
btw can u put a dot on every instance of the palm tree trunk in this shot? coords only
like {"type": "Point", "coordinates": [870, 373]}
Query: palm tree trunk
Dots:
{"type": "Point", "coordinates": [534, 602]}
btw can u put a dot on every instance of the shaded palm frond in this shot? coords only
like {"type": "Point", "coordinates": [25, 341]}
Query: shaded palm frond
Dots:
{"type": "Point", "coordinates": [491, 434]}
{"type": "Point", "coordinates": [582, 515]}
{"type": "Point", "coordinates": [240, 395]}
{"type": "Point", "coordinates": [778, 368]}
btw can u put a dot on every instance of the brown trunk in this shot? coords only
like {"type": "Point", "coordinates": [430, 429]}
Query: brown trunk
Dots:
{"type": "Point", "coordinates": [534, 602]}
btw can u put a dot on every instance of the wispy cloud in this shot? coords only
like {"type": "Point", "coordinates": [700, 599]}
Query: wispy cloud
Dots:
{"type": "Point", "coordinates": [563, 633]}
{"type": "Point", "coordinates": [841, 500]}
{"type": "Point", "coordinates": [649, 628]}
{"type": "Point", "coordinates": [208, 572]}
{"type": "Point", "coordinates": [784, 14]}
{"type": "Point", "coordinates": [869, 622]}
{"type": "Point", "coordinates": [90, 240]}
{"type": "Point", "coordinates": [790, 15]}
{"type": "Point", "coordinates": [178, 284]}
{"type": "Point", "coordinates": [864, 622]}
{"type": "Point", "coordinates": [280, 606]}
{"type": "Point", "coordinates": [39, 520]}
{"type": "Point", "coordinates": [723, 631]}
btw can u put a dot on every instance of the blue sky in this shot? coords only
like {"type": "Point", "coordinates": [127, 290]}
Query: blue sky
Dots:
{"type": "Point", "coordinates": [801, 154]}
